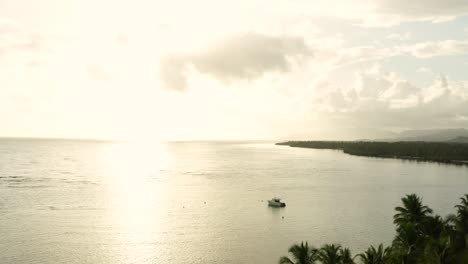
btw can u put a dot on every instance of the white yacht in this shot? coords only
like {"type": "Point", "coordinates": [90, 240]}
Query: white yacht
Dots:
{"type": "Point", "coordinates": [276, 202]}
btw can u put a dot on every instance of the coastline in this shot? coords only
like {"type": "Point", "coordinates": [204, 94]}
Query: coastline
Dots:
{"type": "Point", "coordinates": [392, 150]}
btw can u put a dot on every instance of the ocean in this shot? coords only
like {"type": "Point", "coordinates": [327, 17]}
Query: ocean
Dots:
{"type": "Point", "coordinates": [72, 201]}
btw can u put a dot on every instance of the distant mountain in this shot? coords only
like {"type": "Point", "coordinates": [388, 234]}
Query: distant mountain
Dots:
{"type": "Point", "coordinates": [369, 134]}
{"type": "Point", "coordinates": [459, 140]}
{"type": "Point", "coordinates": [433, 135]}
{"type": "Point", "coordinates": [349, 133]}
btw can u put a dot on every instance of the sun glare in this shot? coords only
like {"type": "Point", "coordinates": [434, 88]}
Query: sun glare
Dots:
{"type": "Point", "coordinates": [135, 192]}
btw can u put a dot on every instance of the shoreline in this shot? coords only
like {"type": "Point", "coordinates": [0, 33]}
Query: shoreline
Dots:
{"type": "Point", "coordinates": [368, 149]}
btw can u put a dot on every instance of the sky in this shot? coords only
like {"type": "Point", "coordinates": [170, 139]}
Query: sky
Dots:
{"type": "Point", "coordinates": [245, 69]}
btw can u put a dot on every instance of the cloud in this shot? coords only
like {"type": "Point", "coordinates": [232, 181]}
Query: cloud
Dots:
{"type": "Point", "coordinates": [343, 56]}
{"type": "Point", "coordinates": [14, 38]}
{"type": "Point", "coordinates": [397, 36]}
{"type": "Point", "coordinates": [383, 99]}
{"type": "Point", "coordinates": [96, 72]}
{"type": "Point", "coordinates": [423, 8]}
{"type": "Point", "coordinates": [173, 73]}
{"type": "Point", "coordinates": [252, 55]}
{"type": "Point", "coordinates": [241, 57]}
{"type": "Point", "coordinates": [394, 12]}
{"type": "Point", "coordinates": [424, 70]}
{"type": "Point", "coordinates": [437, 48]}
{"type": "Point", "coordinates": [346, 56]}
{"type": "Point", "coordinates": [376, 13]}
{"type": "Point", "coordinates": [122, 39]}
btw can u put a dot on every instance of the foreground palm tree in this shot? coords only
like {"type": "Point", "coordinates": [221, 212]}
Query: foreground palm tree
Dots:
{"type": "Point", "coordinates": [462, 215]}
{"type": "Point", "coordinates": [436, 234]}
{"type": "Point", "coordinates": [406, 243]}
{"type": "Point", "coordinates": [420, 238]}
{"type": "Point", "coordinates": [346, 257]}
{"type": "Point", "coordinates": [301, 254]}
{"type": "Point", "coordinates": [375, 256]}
{"type": "Point", "coordinates": [464, 202]}
{"type": "Point", "coordinates": [434, 227]}
{"type": "Point", "coordinates": [459, 222]}
{"type": "Point", "coordinates": [330, 254]}
{"type": "Point", "coordinates": [413, 211]}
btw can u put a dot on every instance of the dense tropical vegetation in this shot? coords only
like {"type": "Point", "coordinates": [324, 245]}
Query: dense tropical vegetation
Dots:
{"type": "Point", "coordinates": [421, 238]}
{"type": "Point", "coordinates": [426, 151]}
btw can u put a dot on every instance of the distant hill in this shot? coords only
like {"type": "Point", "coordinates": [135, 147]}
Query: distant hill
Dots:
{"type": "Point", "coordinates": [348, 133]}
{"type": "Point", "coordinates": [433, 135]}
{"type": "Point", "coordinates": [459, 140]}
{"type": "Point", "coordinates": [369, 134]}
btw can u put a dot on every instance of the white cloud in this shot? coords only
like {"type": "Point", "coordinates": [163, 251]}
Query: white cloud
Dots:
{"type": "Point", "coordinates": [249, 56]}
{"type": "Point", "coordinates": [378, 12]}
{"type": "Point", "coordinates": [290, 75]}
{"type": "Point", "coordinates": [422, 8]}
{"type": "Point", "coordinates": [424, 70]}
{"type": "Point", "coordinates": [401, 37]}
{"type": "Point", "coordinates": [96, 72]}
{"type": "Point", "coordinates": [342, 56]}
{"type": "Point", "coordinates": [14, 38]}
{"type": "Point", "coordinates": [394, 12]}
{"type": "Point", "coordinates": [385, 100]}
{"type": "Point", "coordinates": [245, 57]}
{"type": "Point", "coordinates": [437, 48]}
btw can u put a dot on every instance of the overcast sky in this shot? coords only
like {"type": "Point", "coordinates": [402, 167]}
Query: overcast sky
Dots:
{"type": "Point", "coordinates": [244, 69]}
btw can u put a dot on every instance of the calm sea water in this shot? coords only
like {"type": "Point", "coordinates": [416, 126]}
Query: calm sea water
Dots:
{"type": "Point", "coordinates": [199, 202]}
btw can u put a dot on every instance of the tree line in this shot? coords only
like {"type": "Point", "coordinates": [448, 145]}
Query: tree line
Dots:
{"type": "Point", "coordinates": [421, 238]}
{"type": "Point", "coordinates": [425, 151]}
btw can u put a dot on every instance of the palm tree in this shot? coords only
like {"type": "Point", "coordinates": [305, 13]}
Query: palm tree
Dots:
{"type": "Point", "coordinates": [330, 254]}
{"type": "Point", "coordinates": [375, 256]}
{"type": "Point", "coordinates": [464, 202]}
{"type": "Point", "coordinates": [301, 254]}
{"type": "Point", "coordinates": [434, 227]}
{"type": "Point", "coordinates": [346, 257]}
{"type": "Point", "coordinates": [406, 243]}
{"type": "Point", "coordinates": [436, 233]}
{"type": "Point", "coordinates": [412, 211]}
{"type": "Point", "coordinates": [438, 251]}
{"type": "Point", "coordinates": [460, 224]}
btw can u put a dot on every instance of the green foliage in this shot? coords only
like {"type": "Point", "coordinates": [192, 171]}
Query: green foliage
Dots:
{"type": "Point", "coordinates": [375, 256]}
{"type": "Point", "coordinates": [327, 254]}
{"type": "Point", "coordinates": [346, 257]}
{"type": "Point", "coordinates": [330, 254]}
{"type": "Point", "coordinates": [460, 224]}
{"type": "Point", "coordinates": [301, 254]}
{"type": "Point", "coordinates": [456, 153]}
{"type": "Point", "coordinates": [421, 238]}
{"type": "Point", "coordinates": [412, 211]}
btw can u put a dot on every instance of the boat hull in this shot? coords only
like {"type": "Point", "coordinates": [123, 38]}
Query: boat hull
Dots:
{"type": "Point", "coordinates": [276, 204]}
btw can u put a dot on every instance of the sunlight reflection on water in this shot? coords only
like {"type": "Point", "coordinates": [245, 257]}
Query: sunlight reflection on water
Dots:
{"type": "Point", "coordinates": [137, 197]}
{"type": "Point", "coordinates": [199, 202]}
